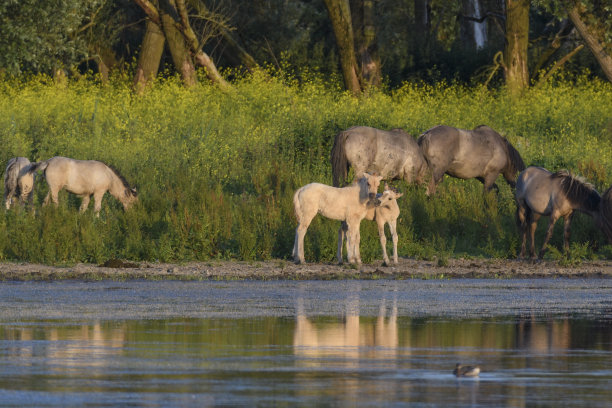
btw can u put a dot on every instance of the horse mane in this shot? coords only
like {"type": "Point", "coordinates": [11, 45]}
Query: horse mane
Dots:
{"type": "Point", "coordinates": [515, 161]}
{"type": "Point", "coordinates": [578, 191]}
{"type": "Point", "coordinates": [128, 190]}
{"type": "Point", "coordinates": [339, 161]}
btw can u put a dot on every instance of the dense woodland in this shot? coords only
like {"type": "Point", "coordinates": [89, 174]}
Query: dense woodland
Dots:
{"type": "Point", "coordinates": [217, 111]}
{"type": "Point", "coordinates": [363, 43]}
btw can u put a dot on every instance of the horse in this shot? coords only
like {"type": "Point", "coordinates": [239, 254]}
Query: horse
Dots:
{"type": "Point", "coordinates": [542, 193]}
{"type": "Point", "coordinates": [349, 204]}
{"type": "Point", "coordinates": [393, 154]}
{"type": "Point", "coordinates": [481, 153]}
{"type": "Point", "coordinates": [19, 180]}
{"type": "Point", "coordinates": [84, 178]}
{"type": "Point", "coordinates": [386, 212]}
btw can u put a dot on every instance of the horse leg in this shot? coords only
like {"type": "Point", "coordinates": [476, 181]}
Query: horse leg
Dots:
{"type": "Point", "coordinates": [567, 220]}
{"type": "Point", "coordinates": [553, 218]}
{"type": "Point", "coordinates": [300, 232]}
{"type": "Point", "coordinates": [521, 219]}
{"type": "Point", "coordinates": [341, 234]}
{"type": "Point", "coordinates": [383, 241]}
{"type": "Point", "coordinates": [84, 203]}
{"type": "Point", "coordinates": [533, 224]}
{"type": "Point", "coordinates": [97, 202]}
{"type": "Point", "coordinates": [52, 194]}
{"type": "Point", "coordinates": [354, 239]}
{"type": "Point", "coordinates": [8, 198]}
{"type": "Point", "coordinates": [393, 228]}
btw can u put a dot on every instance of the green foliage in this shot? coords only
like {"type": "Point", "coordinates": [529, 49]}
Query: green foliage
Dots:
{"type": "Point", "coordinates": [40, 36]}
{"type": "Point", "coordinates": [216, 171]}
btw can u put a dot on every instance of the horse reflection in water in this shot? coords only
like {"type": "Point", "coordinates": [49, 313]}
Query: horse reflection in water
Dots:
{"type": "Point", "coordinates": [90, 347]}
{"type": "Point", "coordinates": [351, 338]}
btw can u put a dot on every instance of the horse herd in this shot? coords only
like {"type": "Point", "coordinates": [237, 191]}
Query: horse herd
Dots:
{"type": "Point", "coordinates": [481, 153]}
{"type": "Point", "coordinates": [374, 155]}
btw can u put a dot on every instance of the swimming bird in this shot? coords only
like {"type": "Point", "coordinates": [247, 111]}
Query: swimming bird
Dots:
{"type": "Point", "coordinates": [466, 370]}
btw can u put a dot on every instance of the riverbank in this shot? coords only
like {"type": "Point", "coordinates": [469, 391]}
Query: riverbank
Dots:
{"type": "Point", "coordinates": [285, 270]}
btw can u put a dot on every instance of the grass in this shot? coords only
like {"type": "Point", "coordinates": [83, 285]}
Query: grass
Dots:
{"type": "Point", "coordinates": [216, 171]}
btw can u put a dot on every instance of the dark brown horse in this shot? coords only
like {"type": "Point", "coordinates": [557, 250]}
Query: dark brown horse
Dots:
{"type": "Point", "coordinates": [392, 154]}
{"type": "Point", "coordinates": [542, 193]}
{"type": "Point", "coordinates": [481, 153]}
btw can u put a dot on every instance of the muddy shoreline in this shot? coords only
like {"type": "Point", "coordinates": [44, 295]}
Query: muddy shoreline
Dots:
{"type": "Point", "coordinates": [285, 270]}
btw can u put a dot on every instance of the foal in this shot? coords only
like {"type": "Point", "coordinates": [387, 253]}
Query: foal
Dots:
{"type": "Point", "coordinates": [542, 193]}
{"type": "Point", "coordinates": [349, 204]}
{"type": "Point", "coordinates": [387, 212]}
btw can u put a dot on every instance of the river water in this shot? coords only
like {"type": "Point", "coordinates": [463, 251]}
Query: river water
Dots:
{"type": "Point", "coordinates": [540, 342]}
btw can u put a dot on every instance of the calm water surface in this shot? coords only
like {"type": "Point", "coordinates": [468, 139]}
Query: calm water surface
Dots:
{"type": "Point", "coordinates": [339, 343]}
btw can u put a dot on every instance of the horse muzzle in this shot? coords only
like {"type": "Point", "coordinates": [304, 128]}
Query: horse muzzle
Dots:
{"type": "Point", "coordinates": [373, 201]}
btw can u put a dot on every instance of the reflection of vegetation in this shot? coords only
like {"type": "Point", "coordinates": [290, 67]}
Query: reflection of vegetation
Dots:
{"type": "Point", "coordinates": [216, 171]}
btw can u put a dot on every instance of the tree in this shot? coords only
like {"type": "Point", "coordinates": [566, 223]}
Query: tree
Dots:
{"type": "Point", "coordinates": [589, 35]}
{"type": "Point", "coordinates": [43, 36]}
{"type": "Point", "coordinates": [184, 45]}
{"type": "Point", "coordinates": [517, 41]}
{"type": "Point", "coordinates": [340, 16]}
{"type": "Point", "coordinates": [149, 57]}
{"type": "Point", "coordinates": [366, 45]}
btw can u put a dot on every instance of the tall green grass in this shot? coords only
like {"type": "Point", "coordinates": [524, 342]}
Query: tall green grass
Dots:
{"type": "Point", "coordinates": [216, 171]}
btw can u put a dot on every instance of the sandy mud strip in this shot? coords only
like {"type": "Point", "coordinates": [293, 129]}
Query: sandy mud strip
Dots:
{"type": "Point", "coordinates": [282, 269]}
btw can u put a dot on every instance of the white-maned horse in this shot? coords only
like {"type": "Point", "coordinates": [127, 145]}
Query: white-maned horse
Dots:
{"type": "Point", "coordinates": [386, 212]}
{"type": "Point", "coordinates": [85, 178]}
{"type": "Point", "coordinates": [349, 204]}
{"type": "Point", "coordinates": [19, 181]}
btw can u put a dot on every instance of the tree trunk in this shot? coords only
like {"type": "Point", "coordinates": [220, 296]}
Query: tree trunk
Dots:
{"type": "Point", "coordinates": [602, 57]}
{"type": "Point", "coordinates": [149, 58]}
{"type": "Point", "coordinates": [179, 50]}
{"type": "Point", "coordinates": [340, 16]}
{"type": "Point", "coordinates": [517, 40]}
{"type": "Point", "coordinates": [365, 41]}
{"type": "Point", "coordinates": [182, 41]}
{"type": "Point", "coordinates": [422, 26]}
{"type": "Point", "coordinates": [473, 32]}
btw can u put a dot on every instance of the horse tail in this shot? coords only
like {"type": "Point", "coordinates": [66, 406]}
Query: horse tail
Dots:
{"type": "Point", "coordinates": [515, 163]}
{"type": "Point", "coordinates": [606, 214]}
{"type": "Point", "coordinates": [10, 176]}
{"type": "Point", "coordinates": [339, 160]}
{"type": "Point", "coordinates": [40, 166]}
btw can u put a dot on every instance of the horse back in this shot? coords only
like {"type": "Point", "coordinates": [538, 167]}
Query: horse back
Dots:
{"type": "Point", "coordinates": [380, 151]}
{"type": "Point", "coordinates": [78, 176]}
{"type": "Point", "coordinates": [536, 188]}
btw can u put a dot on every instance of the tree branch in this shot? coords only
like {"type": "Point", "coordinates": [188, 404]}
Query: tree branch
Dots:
{"type": "Point", "coordinates": [559, 63]}
{"type": "Point", "coordinates": [150, 10]}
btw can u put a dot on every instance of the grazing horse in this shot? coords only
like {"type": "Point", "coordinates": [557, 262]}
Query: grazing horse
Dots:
{"type": "Point", "coordinates": [349, 204]}
{"type": "Point", "coordinates": [19, 181]}
{"type": "Point", "coordinates": [392, 154]}
{"type": "Point", "coordinates": [480, 153]}
{"type": "Point", "coordinates": [542, 193]}
{"type": "Point", "coordinates": [386, 212]}
{"type": "Point", "coordinates": [84, 178]}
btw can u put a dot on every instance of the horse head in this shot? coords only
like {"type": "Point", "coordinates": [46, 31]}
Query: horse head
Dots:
{"type": "Point", "coordinates": [369, 186]}
{"type": "Point", "coordinates": [130, 196]}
